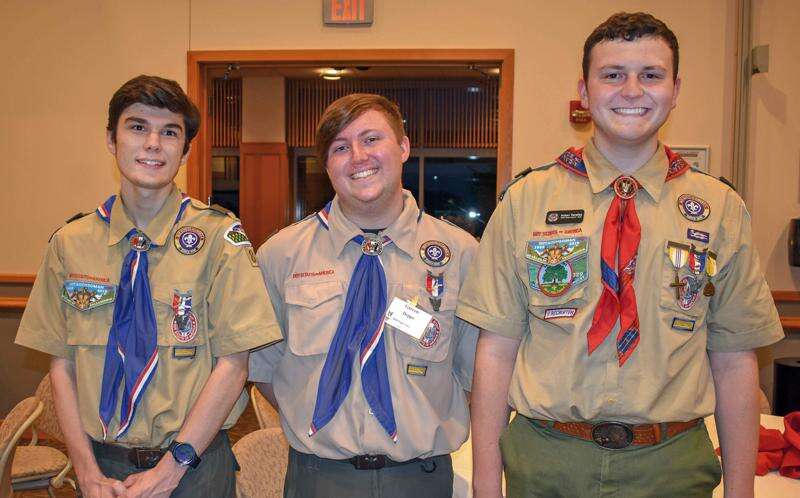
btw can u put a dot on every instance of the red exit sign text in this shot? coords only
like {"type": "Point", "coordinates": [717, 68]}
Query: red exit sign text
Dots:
{"type": "Point", "coordinates": [347, 12]}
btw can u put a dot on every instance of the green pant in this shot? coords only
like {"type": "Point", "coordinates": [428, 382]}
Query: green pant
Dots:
{"type": "Point", "coordinates": [309, 476]}
{"type": "Point", "coordinates": [542, 462]}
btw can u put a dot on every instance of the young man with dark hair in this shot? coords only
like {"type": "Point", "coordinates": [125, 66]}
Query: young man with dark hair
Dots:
{"type": "Point", "coordinates": [620, 301]}
{"type": "Point", "coordinates": [371, 378]}
{"type": "Point", "coordinates": [149, 306]}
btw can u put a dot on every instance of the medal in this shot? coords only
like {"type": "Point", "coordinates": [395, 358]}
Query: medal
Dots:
{"type": "Point", "coordinates": [434, 284]}
{"type": "Point", "coordinates": [678, 255]}
{"type": "Point", "coordinates": [709, 290]}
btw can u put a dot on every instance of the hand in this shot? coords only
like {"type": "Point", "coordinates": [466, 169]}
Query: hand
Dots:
{"type": "Point", "coordinates": [157, 482]}
{"type": "Point", "coordinates": [99, 486]}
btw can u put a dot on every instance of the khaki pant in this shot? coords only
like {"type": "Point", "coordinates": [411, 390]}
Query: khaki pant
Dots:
{"type": "Point", "coordinates": [309, 476]}
{"type": "Point", "coordinates": [542, 462]}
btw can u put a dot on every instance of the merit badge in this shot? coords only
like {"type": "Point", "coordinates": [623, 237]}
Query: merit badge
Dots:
{"type": "Point", "coordinates": [189, 240]}
{"type": "Point", "coordinates": [564, 217]}
{"type": "Point", "coordinates": [554, 313]}
{"type": "Point", "coordinates": [683, 324]}
{"type": "Point", "coordinates": [236, 236]}
{"type": "Point", "coordinates": [372, 245]}
{"type": "Point", "coordinates": [431, 335]}
{"type": "Point", "coordinates": [693, 208]}
{"type": "Point", "coordinates": [678, 256]}
{"type": "Point", "coordinates": [184, 324]}
{"type": "Point", "coordinates": [434, 253]}
{"type": "Point", "coordinates": [434, 284]}
{"type": "Point", "coordinates": [87, 295]}
{"type": "Point", "coordinates": [625, 187]}
{"type": "Point", "coordinates": [688, 292]}
{"type": "Point", "coordinates": [139, 241]}
{"type": "Point", "coordinates": [558, 264]}
{"type": "Point", "coordinates": [698, 235]}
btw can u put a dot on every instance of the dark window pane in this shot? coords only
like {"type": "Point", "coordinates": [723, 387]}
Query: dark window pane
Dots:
{"type": "Point", "coordinates": [411, 176]}
{"type": "Point", "coordinates": [461, 190]}
{"type": "Point", "coordinates": [225, 182]}
{"type": "Point", "coordinates": [314, 189]}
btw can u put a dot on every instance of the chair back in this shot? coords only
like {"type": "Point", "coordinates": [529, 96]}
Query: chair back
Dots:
{"type": "Point", "coordinates": [267, 415]}
{"type": "Point", "coordinates": [263, 456]}
{"type": "Point", "coordinates": [15, 424]}
{"type": "Point", "coordinates": [48, 422]}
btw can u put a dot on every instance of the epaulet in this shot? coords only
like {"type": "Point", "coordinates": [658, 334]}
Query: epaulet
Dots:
{"type": "Point", "coordinates": [728, 183]}
{"type": "Point", "coordinates": [312, 215]}
{"type": "Point", "coordinates": [69, 220]}
{"type": "Point", "coordinates": [519, 176]}
{"type": "Point", "coordinates": [221, 210]}
{"type": "Point", "coordinates": [721, 179]}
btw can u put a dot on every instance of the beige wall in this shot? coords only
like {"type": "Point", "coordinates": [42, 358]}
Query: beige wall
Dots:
{"type": "Point", "coordinates": [263, 109]}
{"type": "Point", "coordinates": [64, 59]}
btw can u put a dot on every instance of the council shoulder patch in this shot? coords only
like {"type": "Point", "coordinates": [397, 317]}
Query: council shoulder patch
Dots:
{"type": "Point", "coordinates": [235, 235]}
{"type": "Point", "coordinates": [189, 240]}
{"type": "Point", "coordinates": [434, 253]}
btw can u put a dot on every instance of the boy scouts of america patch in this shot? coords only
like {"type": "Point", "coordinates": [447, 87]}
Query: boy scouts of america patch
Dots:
{"type": "Point", "coordinates": [434, 253]}
{"type": "Point", "coordinates": [184, 324]}
{"type": "Point", "coordinates": [87, 295]}
{"type": "Point", "coordinates": [236, 236]}
{"type": "Point", "coordinates": [693, 208]}
{"type": "Point", "coordinates": [189, 240]}
{"type": "Point", "coordinates": [558, 264]}
{"type": "Point", "coordinates": [431, 335]}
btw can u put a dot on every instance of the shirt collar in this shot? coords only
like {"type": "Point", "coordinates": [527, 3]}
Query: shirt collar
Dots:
{"type": "Point", "coordinates": [602, 173]}
{"type": "Point", "coordinates": [157, 230]}
{"type": "Point", "coordinates": [403, 231]}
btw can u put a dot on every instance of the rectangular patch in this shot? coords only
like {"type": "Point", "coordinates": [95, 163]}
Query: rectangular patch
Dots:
{"type": "Point", "coordinates": [555, 265]}
{"type": "Point", "coordinates": [563, 217]}
{"type": "Point", "coordinates": [698, 235]}
{"type": "Point", "coordinates": [183, 352]}
{"type": "Point", "coordinates": [419, 370]}
{"type": "Point", "coordinates": [554, 313]}
{"type": "Point", "coordinates": [683, 324]}
{"type": "Point", "coordinates": [83, 295]}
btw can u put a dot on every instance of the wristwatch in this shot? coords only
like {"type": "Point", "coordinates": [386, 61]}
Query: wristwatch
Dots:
{"type": "Point", "coordinates": [184, 454]}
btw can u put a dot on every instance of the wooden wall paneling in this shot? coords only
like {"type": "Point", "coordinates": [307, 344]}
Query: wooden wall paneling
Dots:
{"type": "Point", "coordinates": [263, 189]}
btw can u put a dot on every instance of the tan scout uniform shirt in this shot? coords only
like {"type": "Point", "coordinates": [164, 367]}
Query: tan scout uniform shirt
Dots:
{"type": "Point", "coordinates": [228, 299]}
{"type": "Point", "coordinates": [668, 377]}
{"type": "Point", "coordinates": [307, 269]}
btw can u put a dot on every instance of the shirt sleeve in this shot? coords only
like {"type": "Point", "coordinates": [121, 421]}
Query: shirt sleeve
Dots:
{"type": "Point", "coordinates": [493, 298]}
{"type": "Point", "coordinates": [742, 314]}
{"type": "Point", "coordinates": [43, 326]}
{"type": "Point", "coordinates": [240, 315]}
{"type": "Point", "coordinates": [264, 361]}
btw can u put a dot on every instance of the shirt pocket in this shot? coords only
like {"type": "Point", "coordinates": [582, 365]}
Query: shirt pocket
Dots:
{"type": "Point", "coordinates": [563, 311]}
{"type": "Point", "coordinates": [434, 345]}
{"type": "Point", "coordinates": [89, 327]}
{"type": "Point", "coordinates": [682, 290]}
{"type": "Point", "coordinates": [312, 316]}
{"type": "Point", "coordinates": [180, 315]}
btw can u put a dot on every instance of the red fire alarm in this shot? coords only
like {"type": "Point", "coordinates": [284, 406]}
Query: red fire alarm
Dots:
{"type": "Point", "coordinates": [578, 113]}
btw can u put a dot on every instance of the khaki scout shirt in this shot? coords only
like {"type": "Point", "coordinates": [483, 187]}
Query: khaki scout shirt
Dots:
{"type": "Point", "coordinates": [307, 269]}
{"type": "Point", "coordinates": [228, 299]}
{"type": "Point", "coordinates": [668, 377]}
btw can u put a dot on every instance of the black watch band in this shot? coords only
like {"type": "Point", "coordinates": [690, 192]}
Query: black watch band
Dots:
{"type": "Point", "coordinates": [184, 454]}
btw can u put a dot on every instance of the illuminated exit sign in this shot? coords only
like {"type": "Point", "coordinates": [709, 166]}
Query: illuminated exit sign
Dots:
{"type": "Point", "coordinates": [347, 12]}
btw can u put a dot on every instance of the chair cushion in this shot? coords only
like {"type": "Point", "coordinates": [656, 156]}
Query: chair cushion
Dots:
{"type": "Point", "coordinates": [36, 461]}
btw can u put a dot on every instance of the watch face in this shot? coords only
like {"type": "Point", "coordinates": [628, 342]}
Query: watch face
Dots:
{"type": "Point", "coordinates": [184, 453]}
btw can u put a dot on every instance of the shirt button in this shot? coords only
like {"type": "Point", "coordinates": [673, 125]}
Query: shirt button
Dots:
{"type": "Point", "coordinates": [611, 401]}
{"type": "Point", "coordinates": [371, 412]}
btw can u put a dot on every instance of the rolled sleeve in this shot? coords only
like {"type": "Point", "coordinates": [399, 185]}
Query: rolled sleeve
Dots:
{"type": "Point", "coordinates": [742, 313]}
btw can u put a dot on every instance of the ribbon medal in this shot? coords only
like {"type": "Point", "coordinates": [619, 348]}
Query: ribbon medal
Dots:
{"type": "Point", "coordinates": [434, 284]}
{"type": "Point", "coordinates": [87, 295]}
{"type": "Point", "coordinates": [184, 324]}
{"type": "Point", "coordinates": [711, 270]}
{"type": "Point", "coordinates": [556, 265]}
{"type": "Point", "coordinates": [678, 256]}
{"type": "Point", "coordinates": [697, 260]}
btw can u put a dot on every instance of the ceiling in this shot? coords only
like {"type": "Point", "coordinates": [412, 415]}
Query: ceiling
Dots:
{"type": "Point", "coordinates": [373, 71]}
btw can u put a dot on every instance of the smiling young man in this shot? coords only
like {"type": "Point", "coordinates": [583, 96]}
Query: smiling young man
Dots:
{"type": "Point", "coordinates": [149, 306]}
{"type": "Point", "coordinates": [620, 301]}
{"type": "Point", "coordinates": [370, 408]}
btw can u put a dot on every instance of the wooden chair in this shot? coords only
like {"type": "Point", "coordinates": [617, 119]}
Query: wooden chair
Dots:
{"type": "Point", "coordinates": [263, 457]}
{"type": "Point", "coordinates": [267, 415]}
{"type": "Point", "coordinates": [15, 424]}
{"type": "Point", "coordinates": [37, 466]}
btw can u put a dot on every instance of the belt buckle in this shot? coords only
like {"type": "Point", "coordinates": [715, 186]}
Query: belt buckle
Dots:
{"type": "Point", "coordinates": [612, 435]}
{"type": "Point", "coordinates": [369, 462]}
{"type": "Point", "coordinates": [144, 458]}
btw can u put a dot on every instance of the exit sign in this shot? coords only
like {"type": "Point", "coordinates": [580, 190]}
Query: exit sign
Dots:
{"type": "Point", "coordinates": [347, 12]}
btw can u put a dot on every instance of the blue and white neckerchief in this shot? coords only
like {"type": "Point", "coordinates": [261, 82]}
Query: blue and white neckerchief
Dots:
{"type": "Point", "coordinates": [132, 347]}
{"type": "Point", "coordinates": [360, 331]}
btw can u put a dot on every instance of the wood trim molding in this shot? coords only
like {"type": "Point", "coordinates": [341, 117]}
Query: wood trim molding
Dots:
{"type": "Point", "coordinates": [16, 279]}
{"type": "Point", "coordinates": [786, 296]}
{"type": "Point", "coordinates": [198, 174]}
{"type": "Point", "coordinates": [13, 303]}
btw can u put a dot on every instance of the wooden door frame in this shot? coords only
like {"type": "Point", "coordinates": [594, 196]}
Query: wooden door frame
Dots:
{"type": "Point", "coordinates": [198, 169]}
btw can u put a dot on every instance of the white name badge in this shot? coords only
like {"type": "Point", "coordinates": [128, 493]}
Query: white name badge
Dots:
{"type": "Point", "coordinates": [407, 318]}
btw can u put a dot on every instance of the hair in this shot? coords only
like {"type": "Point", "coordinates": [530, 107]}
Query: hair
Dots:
{"type": "Point", "coordinates": [347, 109]}
{"type": "Point", "coordinates": [155, 92]}
{"type": "Point", "coordinates": [629, 27]}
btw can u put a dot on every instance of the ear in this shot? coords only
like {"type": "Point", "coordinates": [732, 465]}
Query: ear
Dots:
{"type": "Point", "coordinates": [676, 92]}
{"type": "Point", "coordinates": [584, 93]}
{"type": "Point", "coordinates": [186, 156]}
{"type": "Point", "coordinates": [405, 146]}
{"type": "Point", "coordinates": [111, 143]}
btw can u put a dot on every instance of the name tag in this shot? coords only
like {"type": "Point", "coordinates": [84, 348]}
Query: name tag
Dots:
{"type": "Point", "coordinates": [407, 318]}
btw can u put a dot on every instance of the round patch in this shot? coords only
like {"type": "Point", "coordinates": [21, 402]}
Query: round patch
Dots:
{"type": "Point", "coordinates": [625, 187]}
{"type": "Point", "coordinates": [555, 280]}
{"type": "Point", "coordinates": [434, 253]}
{"type": "Point", "coordinates": [688, 293]}
{"type": "Point", "coordinates": [189, 240]}
{"type": "Point", "coordinates": [431, 335]}
{"type": "Point", "coordinates": [139, 242]}
{"type": "Point", "coordinates": [372, 245]}
{"type": "Point", "coordinates": [693, 208]}
{"type": "Point", "coordinates": [552, 217]}
{"type": "Point", "coordinates": [184, 326]}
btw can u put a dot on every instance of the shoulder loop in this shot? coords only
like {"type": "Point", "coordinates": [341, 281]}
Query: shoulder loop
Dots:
{"type": "Point", "coordinates": [72, 218]}
{"type": "Point", "coordinates": [720, 179]}
{"type": "Point", "coordinates": [519, 176]}
{"type": "Point", "coordinates": [728, 183]}
{"type": "Point", "coordinates": [222, 210]}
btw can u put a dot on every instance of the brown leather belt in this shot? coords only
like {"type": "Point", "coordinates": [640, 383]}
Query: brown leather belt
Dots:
{"type": "Point", "coordinates": [616, 435]}
{"type": "Point", "coordinates": [142, 458]}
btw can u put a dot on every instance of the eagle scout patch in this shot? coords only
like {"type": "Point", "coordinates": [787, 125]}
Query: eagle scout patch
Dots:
{"type": "Point", "coordinates": [434, 284]}
{"type": "Point", "coordinates": [688, 292]}
{"type": "Point", "coordinates": [554, 313]}
{"type": "Point", "coordinates": [558, 264]}
{"type": "Point", "coordinates": [236, 236]}
{"type": "Point", "coordinates": [431, 335]}
{"type": "Point", "coordinates": [420, 370]}
{"type": "Point", "coordinates": [693, 208]}
{"type": "Point", "coordinates": [698, 235]}
{"type": "Point", "coordinates": [683, 324]}
{"type": "Point", "coordinates": [434, 253]}
{"type": "Point", "coordinates": [184, 323]}
{"type": "Point", "coordinates": [189, 240]}
{"type": "Point", "coordinates": [564, 217]}
{"type": "Point", "coordinates": [84, 296]}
